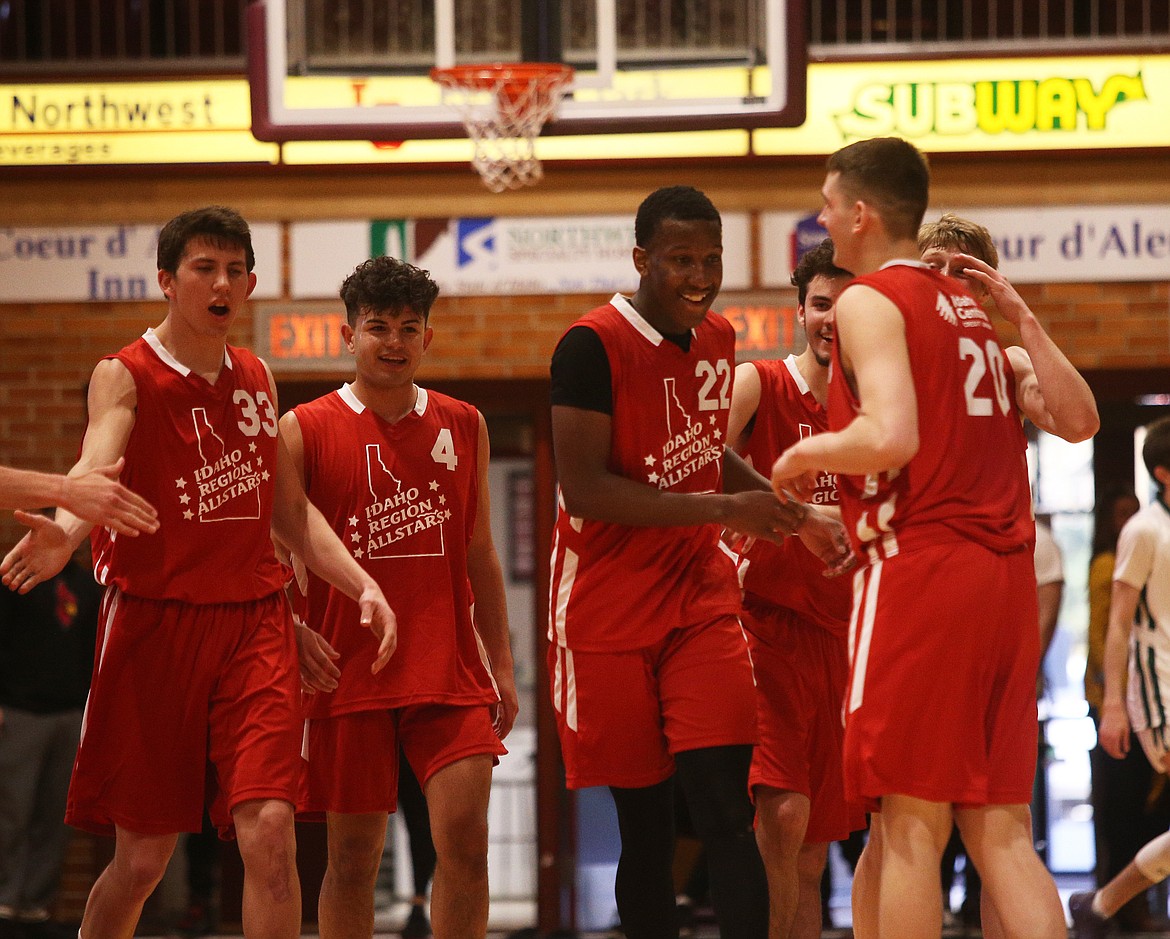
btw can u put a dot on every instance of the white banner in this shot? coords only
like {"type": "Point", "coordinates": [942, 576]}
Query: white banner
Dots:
{"type": "Point", "coordinates": [495, 256]}
{"type": "Point", "coordinates": [105, 263]}
{"type": "Point", "coordinates": [1036, 244]}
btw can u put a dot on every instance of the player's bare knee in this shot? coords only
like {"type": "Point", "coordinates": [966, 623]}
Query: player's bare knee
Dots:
{"type": "Point", "coordinates": [265, 832]}
{"type": "Point", "coordinates": [782, 819]}
{"type": "Point", "coordinates": [464, 845]}
{"type": "Point", "coordinates": [141, 869]}
{"type": "Point", "coordinates": [354, 861]}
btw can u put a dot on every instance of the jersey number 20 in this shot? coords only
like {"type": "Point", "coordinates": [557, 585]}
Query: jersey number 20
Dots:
{"type": "Point", "coordinates": [977, 405]}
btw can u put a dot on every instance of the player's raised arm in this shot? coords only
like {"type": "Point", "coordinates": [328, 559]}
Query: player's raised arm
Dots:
{"type": "Point", "coordinates": [95, 496]}
{"type": "Point", "coordinates": [884, 434]}
{"type": "Point", "coordinates": [1050, 392]}
{"type": "Point", "coordinates": [44, 551]}
{"type": "Point", "coordinates": [487, 584]}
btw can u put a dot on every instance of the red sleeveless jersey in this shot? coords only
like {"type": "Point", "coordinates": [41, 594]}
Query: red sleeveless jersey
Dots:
{"type": "Point", "coordinates": [402, 497]}
{"type": "Point", "coordinates": [969, 479]}
{"type": "Point", "coordinates": [620, 587]}
{"type": "Point", "coordinates": [205, 456]}
{"type": "Point", "coordinates": [788, 574]}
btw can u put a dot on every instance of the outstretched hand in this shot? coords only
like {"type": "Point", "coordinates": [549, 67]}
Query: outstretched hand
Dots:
{"type": "Point", "coordinates": [759, 514]}
{"type": "Point", "coordinates": [826, 538]}
{"type": "Point", "coordinates": [790, 475]}
{"type": "Point", "coordinates": [98, 497]}
{"type": "Point", "coordinates": [380, 619]}
{"type": "Point", "coordinates": [38, 556]}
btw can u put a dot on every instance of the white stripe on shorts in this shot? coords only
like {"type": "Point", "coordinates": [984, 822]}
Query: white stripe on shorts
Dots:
{"type": "Point", "coordinates": [865, 635]}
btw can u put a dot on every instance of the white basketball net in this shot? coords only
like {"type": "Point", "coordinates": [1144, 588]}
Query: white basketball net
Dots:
{"type": "Point", "coordinates": [504, 112]}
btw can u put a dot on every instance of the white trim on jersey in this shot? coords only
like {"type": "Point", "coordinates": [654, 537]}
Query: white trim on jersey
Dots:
{"type": "Point", "coordinates": [346, 394]}
{"type": "Point", "coordinates": [484, 659]}
{"type": "Point", "coordinates": [861, 634]}
{"type": "Point", "coordinates": [564, 587]}
{"type": "Point", "coordinates": [794, 371]}
{"type": "Point", "coordinates": [152, 340]}
{"type": "Point", "coordinates": [634, 318]}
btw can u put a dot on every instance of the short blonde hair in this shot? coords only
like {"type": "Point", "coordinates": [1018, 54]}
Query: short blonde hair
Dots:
{"type": "Point", "coordinates": [959, 234]}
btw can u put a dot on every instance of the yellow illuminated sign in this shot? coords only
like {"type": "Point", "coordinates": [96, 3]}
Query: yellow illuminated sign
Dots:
{"type": "Point", "coordinates": [129, 122]}
{"type": "Point", "coordinates": [980, 105]}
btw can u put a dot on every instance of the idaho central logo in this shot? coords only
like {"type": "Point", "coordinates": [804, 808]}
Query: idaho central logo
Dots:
{"type": "Point", "coordinates": [402, 520]}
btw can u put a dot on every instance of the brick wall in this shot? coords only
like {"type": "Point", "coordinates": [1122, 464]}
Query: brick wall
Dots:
{"type": "Point", "coordinates": [47, 351]}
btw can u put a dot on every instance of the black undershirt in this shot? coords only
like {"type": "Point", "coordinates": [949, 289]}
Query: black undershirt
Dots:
{"type": "Point", "coordinates": [580, 370]}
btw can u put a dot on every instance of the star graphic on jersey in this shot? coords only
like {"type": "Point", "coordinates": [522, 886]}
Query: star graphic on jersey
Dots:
{"type": "Point", "coordinates": [264, 476]}
{"type": "Point", "coordinates": [447, 516]}
{"type": "Point", "coordinates": [259, 460]}
{"type": "Point", "coordinates": [650, 460]}
{"type": "Point", "coordinates": [718, 434]}
{"type": "Point", "coordinates": [434, 485]}
{"type": "Point", "coordinates": [355, 537]}
{"type": "Point", "coordinates": [353, 520]}
{"type": "Point", "coordinates": [184, 498]}
{"type": "Point", "coordinates": [712, 419]}
{"type": "Point", "coordinates": [442, 499]}
{"type": "Point", "coordinates": [180, 483]}
{"type": "Point", "coordinates": [252, 447]}
{"type": "Point", "coordinates": [653, 477]}
{"type": "Point", "coordinates": [357, 553]}
{"type": "Point", "coordinates": [188, 515]}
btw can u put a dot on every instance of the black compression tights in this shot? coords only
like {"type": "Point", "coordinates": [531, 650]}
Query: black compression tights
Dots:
{"type": "Point", "coordinates": [714, 781]}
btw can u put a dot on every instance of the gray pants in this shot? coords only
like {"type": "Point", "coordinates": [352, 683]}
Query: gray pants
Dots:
{"type": "Point", "coordinates": [36, 760]}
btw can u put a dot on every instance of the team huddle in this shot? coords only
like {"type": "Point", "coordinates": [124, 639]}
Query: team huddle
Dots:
{"type": "Point", "coordinates": [799, 591]}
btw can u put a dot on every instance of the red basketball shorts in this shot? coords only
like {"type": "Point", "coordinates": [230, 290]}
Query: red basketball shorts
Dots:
{"type": "Point", "coordinates": [622, 715]}
{"type": "Point", "coordinates": [801, 674]}
{"type": "Point", "coordinates": [190, 704]}
{"type": "Point", "coordinates": [941, 704]}
{"type": "Point", "coordinates": [353, 758]}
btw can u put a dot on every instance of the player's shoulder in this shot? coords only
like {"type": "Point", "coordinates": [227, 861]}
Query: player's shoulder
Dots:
{"type": "Point", "coordinates": [444, 404]}
{"type": "Point", "coordinates": [1150, 523]}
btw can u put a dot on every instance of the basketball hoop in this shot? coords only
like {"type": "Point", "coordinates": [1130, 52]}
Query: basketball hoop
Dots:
{"type": "Point", "coordinates": [504, 108]}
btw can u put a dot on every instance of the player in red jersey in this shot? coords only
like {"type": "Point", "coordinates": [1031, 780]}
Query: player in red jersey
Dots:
{"type": "Point", "coordinates": [95, 496]}
{"type": "Point", "coordinates": [649, 668]}
{"type": "Point", "coordinates": [195, 690]}
{"type": "Point", "coordinates": [925, 406]}
{"type": "Point", "coordinates": [401, 473]}
{"type": "Point", "coordinates": [796, 619]}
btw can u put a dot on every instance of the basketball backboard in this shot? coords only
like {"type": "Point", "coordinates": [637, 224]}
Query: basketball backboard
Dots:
{"type": "Point", "coordinates": [351, 70]}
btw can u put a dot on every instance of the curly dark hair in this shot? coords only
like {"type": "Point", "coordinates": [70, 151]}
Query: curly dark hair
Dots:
{"type": "Point", "coordinates": [682, 203]}
{"type": "Point", "coordinates": [816, 263]}
{"type": "Point", "coordinates": [217, 224]}
{"type": "Point", "coordinates": [386, 283]}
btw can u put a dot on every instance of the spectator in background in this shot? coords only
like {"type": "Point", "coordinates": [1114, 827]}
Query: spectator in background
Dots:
{"type": "Point", "coordinates": [1120, 788]}
{"type": "Point", "coordinates": [46, 656]}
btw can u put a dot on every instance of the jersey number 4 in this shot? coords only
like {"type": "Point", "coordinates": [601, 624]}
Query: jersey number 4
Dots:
{"type": "Point", "coordinates": [444, 450]}
{"type": "Point", "coordinates": [978, 405]}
